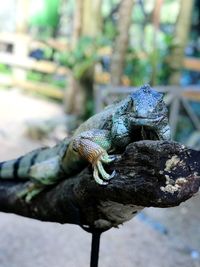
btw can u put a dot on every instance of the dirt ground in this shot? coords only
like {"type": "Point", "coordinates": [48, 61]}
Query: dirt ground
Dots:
{"type": "Point", "coordinates": [155, 238]}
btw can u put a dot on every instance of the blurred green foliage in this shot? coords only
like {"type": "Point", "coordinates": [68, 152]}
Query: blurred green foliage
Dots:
{"type": "Point", "coordinates": [46, 78]}
{"type": "Point", "coordinates": [5, 69]}
{"type": "Point", "coordinates": [139, 64]}
{"type": "Point", "coordinates": [136, 69]}
{"type": "Point", "coordinates": [45, 14]}
{"type": "Point", "coordinates": [184, 128]}
{"type": "Point", "coordinates": [109, 30]}
{"type": "Point", "coordinates": [82, 57]}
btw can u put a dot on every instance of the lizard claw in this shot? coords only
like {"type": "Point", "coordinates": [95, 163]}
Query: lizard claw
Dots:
{"type": "Point", "coordinates": [30, 191]}
{"type": "Point", "coordinates": [107, 158]}
{"type": "Point", "coordinates": [103, 173]}
{"type": "Point", "coordinates": [99, 169]}
{"type": "Point", "coordinates": [97, 178]}
{"type": "Point", "coordinates": [96, 155]}
{"type": "Point", "coordinates": [113, 174]}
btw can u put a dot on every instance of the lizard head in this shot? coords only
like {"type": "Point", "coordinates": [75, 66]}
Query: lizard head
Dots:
{"type": "Point", "coordinates": [149, 111]}
{"type": "Point", "coordinates": [148, 103]}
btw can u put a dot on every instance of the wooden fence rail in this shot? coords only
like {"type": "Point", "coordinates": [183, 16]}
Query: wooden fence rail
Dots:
{"type": "Point", "coordinates": [20, 62]}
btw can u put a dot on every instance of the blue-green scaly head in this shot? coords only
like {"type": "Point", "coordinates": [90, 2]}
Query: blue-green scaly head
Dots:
{"type": "Point", "coordinates": [149, 111]}
{"type": "Point", "coordinates": [148, 103]}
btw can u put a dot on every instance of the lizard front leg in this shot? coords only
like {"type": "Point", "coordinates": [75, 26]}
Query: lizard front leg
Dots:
{"type": "Point", "coordinates": [93, 146]}
{"type": "Point", "coordinates": [120, 132]}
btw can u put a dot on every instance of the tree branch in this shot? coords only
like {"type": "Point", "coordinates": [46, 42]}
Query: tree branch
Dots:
{"type": "Point", "coordinates": [148, 173]}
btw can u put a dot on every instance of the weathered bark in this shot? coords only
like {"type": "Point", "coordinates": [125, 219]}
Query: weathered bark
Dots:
{"type": "Point", "coordinates": [148, 173]}
{"type": "Point", "coordinates": [180, 40]}
{"type": "Point", "coordinates": [121, 43]}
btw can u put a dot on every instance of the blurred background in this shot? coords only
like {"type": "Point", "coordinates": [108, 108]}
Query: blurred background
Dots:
{"type": "Point", "coordinates": [63, 60]}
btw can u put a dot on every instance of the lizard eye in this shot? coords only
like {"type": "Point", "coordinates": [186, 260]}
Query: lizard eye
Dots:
{"type": "Point", "coordinates": [161, 106]}
{"type": "Point", "coordinates": [160, 103]}
{"type": "Point", "coordinates": [131, 105]}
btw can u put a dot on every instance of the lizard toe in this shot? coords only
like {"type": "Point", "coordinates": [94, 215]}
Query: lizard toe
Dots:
{"type": "Point", "coordinates": [113, 174]}
{"type": "Point", "coordinates": [30, 191]}
{"type": "Point", "coordinates": [107, 158]}
{"type": "Point", "coordinates": [97, 178]}
{"type": "Point", "coordinates": [104, 174]}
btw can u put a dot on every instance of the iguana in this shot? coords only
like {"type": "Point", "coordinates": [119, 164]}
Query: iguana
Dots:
{"type": "Point", "coordinates": [141, 115]}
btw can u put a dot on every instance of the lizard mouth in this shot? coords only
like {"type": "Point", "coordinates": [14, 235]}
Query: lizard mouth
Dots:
{"type": "Point", "coordinates": [150, 129]}
{"type": "Point", "coordinates": [144, 133]}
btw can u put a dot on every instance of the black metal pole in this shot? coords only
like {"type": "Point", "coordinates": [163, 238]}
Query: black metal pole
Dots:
{"type": "Point", "coordinates": [95, 248]}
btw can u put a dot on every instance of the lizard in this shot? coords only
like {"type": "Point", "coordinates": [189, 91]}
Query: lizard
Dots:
{"type": "Point", "coordinates": [141, 115]}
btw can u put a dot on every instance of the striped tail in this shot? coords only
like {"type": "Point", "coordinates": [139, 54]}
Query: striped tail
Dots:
{"type": "Point", "coordinates": [19, 168]}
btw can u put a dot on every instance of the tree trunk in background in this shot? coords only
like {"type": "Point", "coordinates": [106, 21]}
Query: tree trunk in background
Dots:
{"type": "Point", "coordinates": [87, 22]}
{"type": "Point", "coordinates": [92, 22]}
{"type": "Point", "coordinates": [92, 19]}
{"type": "Point", "coordinates": [21, 46]}
{"type": "Point", "coordinates": [156, 25]}
{"type": "Point", "coordinates": [78, 19]}
{"type": "Point", "coordinates": [73, 97]}
{"type": "Point", "coordinates": [22, 16]}
{"type": "Point", "coordinates": [121, 44]}
{"type": "Point", "coordinates": [180, 40]}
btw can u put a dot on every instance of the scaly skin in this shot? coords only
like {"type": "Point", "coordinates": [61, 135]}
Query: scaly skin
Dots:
{"type": "Point", "coordinates": [141, 114]}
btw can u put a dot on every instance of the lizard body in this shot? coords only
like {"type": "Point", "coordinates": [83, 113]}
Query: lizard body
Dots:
{"type": "Point", "coordinates": [142, 115]}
